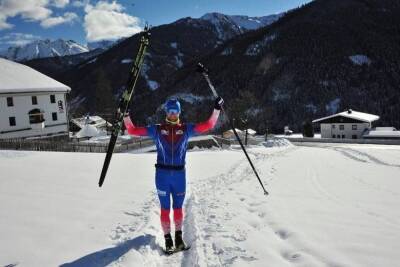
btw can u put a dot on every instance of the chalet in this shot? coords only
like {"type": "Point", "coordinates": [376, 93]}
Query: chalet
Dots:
{"type": "Point", "coordinates": [349, 124]}
{"type": "Point", "coordinates": [31, 103]}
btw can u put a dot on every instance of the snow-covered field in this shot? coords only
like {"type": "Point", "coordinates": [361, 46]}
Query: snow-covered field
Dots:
{"type": "Point", "coordinates": [330, 206]}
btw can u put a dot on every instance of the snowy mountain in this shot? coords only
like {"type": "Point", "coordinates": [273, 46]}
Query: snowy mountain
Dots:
{"type": "Point", "coordinates": [44, 48]}
{"type": "Point", "coordinates": [105, 44]}
{"type": "Point", "coordinates": [238, 24]}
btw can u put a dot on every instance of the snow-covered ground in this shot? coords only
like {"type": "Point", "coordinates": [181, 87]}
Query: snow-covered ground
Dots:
{"type": "Point", "coordinates": [334, 205]}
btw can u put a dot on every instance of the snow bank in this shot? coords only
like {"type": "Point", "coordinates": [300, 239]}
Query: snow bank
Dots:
{"type": "Point", "coordinates": [277, 142]}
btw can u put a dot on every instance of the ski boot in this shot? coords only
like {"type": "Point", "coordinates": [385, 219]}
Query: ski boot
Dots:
{"type": "Point", "coordinates": [169, 245]}
{"type": "Point", "coordinates": [179, 244]}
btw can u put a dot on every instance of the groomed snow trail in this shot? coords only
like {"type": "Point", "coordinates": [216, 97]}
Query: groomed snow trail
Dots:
{"type": "Point", "coordinates": [229, 222]}
{"type": "Point", "coordinates": [329, 206]}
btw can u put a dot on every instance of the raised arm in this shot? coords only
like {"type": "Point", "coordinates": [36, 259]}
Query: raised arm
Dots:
{"type": "Point", "coordinates": [203, 127]}
{"type": "Point", "coordinates": [133, 130]}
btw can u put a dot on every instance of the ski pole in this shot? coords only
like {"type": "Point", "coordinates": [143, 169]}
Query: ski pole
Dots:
{"type": "Point", "coordinates": [204, 72]}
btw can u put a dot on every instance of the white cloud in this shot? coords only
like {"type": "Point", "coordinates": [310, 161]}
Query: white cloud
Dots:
{"type": "Point", "coordinates": [107, 21]}
{"type": "Point", "coordinates": [18, 39]}
{"type": "Point", "coordinates": [32, 10]}
{"type": "Point", "coordinates": [3, 23]}
{"type": "Point", "coordinates": [28, 9]}
{"type": "Point", "coordinates": [60, 3]}
{"type": "Point", "coordinates": [68, 17]}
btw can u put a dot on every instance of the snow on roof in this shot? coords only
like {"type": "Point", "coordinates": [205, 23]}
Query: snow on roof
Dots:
{"type": "Point", "coordinates": [352, 115]}
{"type": "Point", "coordinates": [251, 131]}
{"type": "Point", "coordinates": [96, 121]}
{"type": "Point", "coordinates": [19, 78]}
{"type": "Point", "coordinates": [87, 131]}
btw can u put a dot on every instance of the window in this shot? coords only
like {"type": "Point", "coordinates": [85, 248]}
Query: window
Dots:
{"type": "Point", "coordinates": [354, 136]}
{"type": "Point", "coordinates": [54, 115]}
{"type": "Point", "coordinates": [52, 99]}
{"type": "Point", "coordinates": [60, 106]}
{"type": "Point", "coordinates": [10, 102]}
{"type": "Point", "coordinates": [35, 116]}
{"type": "Point", "coordinates": [12, 121]}
{"type": "Point", "coordinates": [334, 136]}
{"type": "Point", "coordinates": [354, 126]}
{"type": "Point", "coordinates": [338, 136]}
{"type": "Point", "coordinates": [341, 127]}
{"type": "Point", "coordinates": [333, 126]}
{"type": "Point", "coordinates": [343, 136]}
{"type": "Point", "coordinates": [34, 100]}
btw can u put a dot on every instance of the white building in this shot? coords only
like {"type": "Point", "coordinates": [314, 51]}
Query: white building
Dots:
{"type": "Point", "coordinates": [349, 124]}
{"type": "Point", "coordinates": [31, 103]}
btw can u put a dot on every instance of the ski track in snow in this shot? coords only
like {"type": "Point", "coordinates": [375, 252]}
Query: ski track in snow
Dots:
{"type": "Point", "coordinates": [203, 228]}
{"type": "Point", "coordinates": [362, 156]}
{"type": "Point", "coordinates": [330, 206]}
{"type": "Point", "coordinates": [212, 208]}
{"type": "Point", "coordinates": [354, 154]}
{"type": "Point", "coordinates": [214, 240]}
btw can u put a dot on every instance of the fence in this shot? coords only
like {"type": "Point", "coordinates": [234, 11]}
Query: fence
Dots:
{"type": "Point", "coordinates": [68, 146]}
{"type": "Point", "coordinates": [346, 141]}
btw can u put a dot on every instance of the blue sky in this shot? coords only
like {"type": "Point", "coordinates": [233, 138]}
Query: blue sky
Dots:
{"type": "Point", "coordinates": [22, 21]}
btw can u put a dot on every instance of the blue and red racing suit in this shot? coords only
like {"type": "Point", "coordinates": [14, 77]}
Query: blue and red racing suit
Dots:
{"type": "Point", "coordinates": [171, 141]}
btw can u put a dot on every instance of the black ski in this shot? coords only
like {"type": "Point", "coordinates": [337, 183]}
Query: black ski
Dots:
{"type": "Point", "coordinates": [125, 99]}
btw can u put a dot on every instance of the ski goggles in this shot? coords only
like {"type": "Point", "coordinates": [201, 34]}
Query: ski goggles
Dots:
{"type": "Point", "coordinates": [173, 112]}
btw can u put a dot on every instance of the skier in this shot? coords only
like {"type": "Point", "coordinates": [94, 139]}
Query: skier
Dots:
{"type": "Point", "coordinates": [171, 139]}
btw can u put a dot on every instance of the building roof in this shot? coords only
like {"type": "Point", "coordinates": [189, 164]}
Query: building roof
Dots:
{"type": "Point", "coordinates": [351, 114]}
{"type": "Point", "coordinates": [88, 131]}
{"type": "Point", "coordinates": [96, 121]}
{"type": "Point", "coordinates": [19, 78]}
{"type": "Point", "coordinates": [251, 131]}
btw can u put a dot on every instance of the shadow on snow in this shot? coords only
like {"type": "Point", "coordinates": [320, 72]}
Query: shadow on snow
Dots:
{"type": "Point", "coordinates": [106, 256]}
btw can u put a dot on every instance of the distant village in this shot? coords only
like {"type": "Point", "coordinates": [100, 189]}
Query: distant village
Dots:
{"type": "Point", "coordinates": [34, 106]}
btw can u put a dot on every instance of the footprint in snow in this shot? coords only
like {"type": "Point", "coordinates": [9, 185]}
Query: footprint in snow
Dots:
{"type": "Point", "coordinates": [283, 234]}
{"type": "Point", "coordinates": [135, 214]}
{"type": "Point", "coordinates": [292, 257]}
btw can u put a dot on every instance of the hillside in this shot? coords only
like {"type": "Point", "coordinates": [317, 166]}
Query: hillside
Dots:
{"type": "Point", "coordinates": [324, 57]}
{"type": "Point", "coordinates": [97, 81]}
{"type": "Point", "coordinates": [321, 58]}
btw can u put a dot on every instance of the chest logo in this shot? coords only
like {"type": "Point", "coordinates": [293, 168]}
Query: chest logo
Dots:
{"type": "Point", "coordinates": [179, 132]}
{"type": "Point", "coordinates": [164, 132]}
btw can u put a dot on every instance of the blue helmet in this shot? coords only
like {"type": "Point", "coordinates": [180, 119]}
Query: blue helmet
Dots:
{"type": "Point", "coordinates": [172, 105]}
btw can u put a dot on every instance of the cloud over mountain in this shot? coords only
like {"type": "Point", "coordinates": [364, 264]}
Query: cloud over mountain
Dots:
{"type": "Point", "coordinates": [107, 21]}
